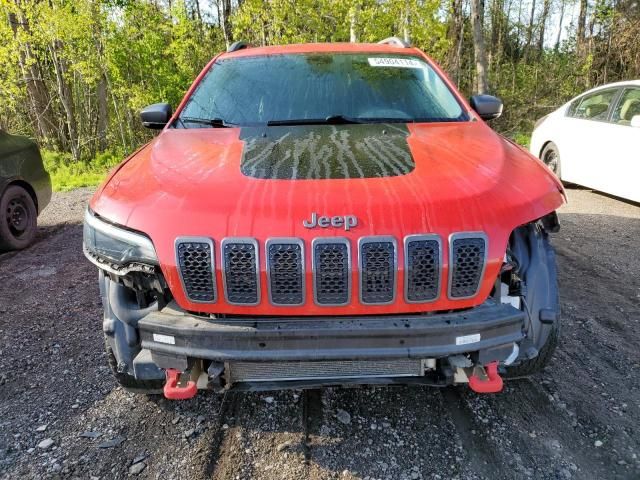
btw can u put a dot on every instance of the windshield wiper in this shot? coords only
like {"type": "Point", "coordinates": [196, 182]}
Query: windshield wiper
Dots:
{"type": "Point", "coordinates": [330, 120]}
{"type": "Point", "coordinates": [212, 122]}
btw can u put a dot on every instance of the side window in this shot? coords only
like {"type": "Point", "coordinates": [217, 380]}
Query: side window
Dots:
{"type": "Point", "coordinates": [594, 106]}
{"type": "Point", "coordinates": [628, 106]}
{"type": "Point", "coordinates": [571, 112]}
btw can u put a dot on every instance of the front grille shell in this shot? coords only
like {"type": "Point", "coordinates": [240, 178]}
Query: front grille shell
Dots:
{"type": "Point", "coordinates": [247, 278]}
{"type": "Point", "coordinates": [341, 275]}
{"type": "Point", "coordinates": [284, 291]}
{"type": "Point", "coordinates": [465, 278]}
{"type": "Point", "coordinates": [376, 245]}
{"type": "Point", "coordinates": [198, 284]}
{"type": "Point", "coordinates": [428, 286]}
{"type": "Point", "coordinates": [331, 264]}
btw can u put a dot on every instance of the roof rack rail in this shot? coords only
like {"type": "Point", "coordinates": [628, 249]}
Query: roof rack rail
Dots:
{"type": "Point", "coordinates": [395, 41]}
{"type": "Point", "coordinates": [239, 45]}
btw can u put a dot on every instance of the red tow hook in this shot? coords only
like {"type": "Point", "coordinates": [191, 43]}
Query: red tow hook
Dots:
{"type": "Point", "coordinates": [173, 392]}
{"type": "Point", "coordinates": [493, 383]}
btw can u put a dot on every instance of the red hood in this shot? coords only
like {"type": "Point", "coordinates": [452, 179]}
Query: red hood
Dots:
{"type": "Point", "coordinates": [466, 178]}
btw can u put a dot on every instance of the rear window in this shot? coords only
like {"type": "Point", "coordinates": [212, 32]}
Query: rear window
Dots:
{"type": "Point", "coordinates": [361, 87]}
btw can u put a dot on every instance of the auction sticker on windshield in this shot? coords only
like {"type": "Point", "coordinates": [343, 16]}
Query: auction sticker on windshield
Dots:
{"type": "Point", "coordinates": [395, 62]}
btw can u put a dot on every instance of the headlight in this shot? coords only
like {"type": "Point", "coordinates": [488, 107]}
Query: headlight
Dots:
{"type": "Point", "coordinates": [116, 249]}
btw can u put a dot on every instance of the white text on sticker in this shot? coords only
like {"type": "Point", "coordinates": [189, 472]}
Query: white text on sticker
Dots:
{"type": "Point", "coordinates": [467, 339]}
{"type": "Point", "coordinates": [395, 62]}
{"type": "Point", "coordinates": [164, 339]}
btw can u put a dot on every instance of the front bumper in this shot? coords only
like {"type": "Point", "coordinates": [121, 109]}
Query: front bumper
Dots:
{"type": "Point", "coordinates": [176, 337]}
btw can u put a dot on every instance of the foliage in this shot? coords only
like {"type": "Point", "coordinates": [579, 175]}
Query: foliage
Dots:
{"type": "Point", "coordinates": [67, 174]}
{"type": "Point", "coordinates": [76, 73]}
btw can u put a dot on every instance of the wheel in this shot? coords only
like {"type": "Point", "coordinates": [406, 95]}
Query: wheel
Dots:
{"type": "Point", "coordinates": [18, 219]}
{"type": "Point", "coordinates": [551, 158]}
{"type": "Point", "coordinates": [528, 367]}
{"type": "Point", "coordinates": [129, 382]}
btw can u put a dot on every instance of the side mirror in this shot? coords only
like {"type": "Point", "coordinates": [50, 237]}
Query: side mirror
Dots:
{"type": "Point", "coordinates": [156, 116]}
{"type": "Point", "coordinates": [487, 106]}
{"type": "Point", "coordinates": [635, 121]}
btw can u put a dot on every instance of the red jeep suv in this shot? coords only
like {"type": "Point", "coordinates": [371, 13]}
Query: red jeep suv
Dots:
{"type": "Point", "coordinates": [325, 214]}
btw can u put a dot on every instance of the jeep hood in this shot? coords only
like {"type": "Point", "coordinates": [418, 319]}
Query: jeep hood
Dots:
{"type": "Point", "coordinates": [263, 182]}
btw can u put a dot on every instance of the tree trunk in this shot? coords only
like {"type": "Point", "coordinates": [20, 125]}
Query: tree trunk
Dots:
{"type": "Point", "coordinates": [103, 113]}
{"type": "Point", "coordinates": [543, 22]}
{"type": "Point", "coordinates": [198, 12]}
{"type": "Point", "coordinates": [497, 27]}
{"type": "Point", "coordinates": [562, 6]}
{"type": "Point", "coordinates": [37, 92]}
{"type": "Point", "coordinates": [480, 54]}
{"type": "Point", "coordinates": [582, 22]}
{"type": "Point", "coordinates": [219, 15]}
{"type": "Point", "coordinates": [456, 36]}
{"type": "Point", "coordinates": [406, 22]}
{"type": "Point", "coordinates": [530, 29]}
{"type": "Point", "coordinates": [226, 21]}
{"type": "Point", "coordinates": [102, 120]}
{"type": "Point", "coordinates": [353, 22]}
{"type": "Point", "coordinates": [66, 99]}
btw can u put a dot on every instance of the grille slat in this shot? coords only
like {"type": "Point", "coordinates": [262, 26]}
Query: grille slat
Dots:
{"type": "Point", "coordinates": [467, 262]}
{"type": "Point", "coordinates": [240, 271]}
{"type": "Point", "coordinates": [195, 259]}
{"type": "Point", "coordinates": [285, 268]}
{"type": "Point", "coordinates": [423, 255]}
{"type": "Point", "coordinates": [377, 270]}
{"type": "Point", "coordinates": [331, 272]}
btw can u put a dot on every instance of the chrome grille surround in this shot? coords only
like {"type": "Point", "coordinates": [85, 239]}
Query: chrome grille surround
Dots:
{"type": "Point", "coordinates": [283, 290]}
{"type": "Point", "coordinates": [332, 277]}
{"type": "Point", "coordinates": [378, 268]}
{"type": "Point", "coordinates": [466, 272]}
{"type": "Point", "coordinates": [240, 261]}
{"type": "Point", "coordinates": [198, 284]}
{"type": "Point", "coordinates": [429, 270]}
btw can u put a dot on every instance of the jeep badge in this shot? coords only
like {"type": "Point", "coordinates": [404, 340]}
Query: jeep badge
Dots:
{"type": "Point", "coordinates": [347, 221]}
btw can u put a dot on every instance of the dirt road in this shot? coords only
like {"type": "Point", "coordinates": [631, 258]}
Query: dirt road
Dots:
{"type": "Point", "coordinates": [61, 414]}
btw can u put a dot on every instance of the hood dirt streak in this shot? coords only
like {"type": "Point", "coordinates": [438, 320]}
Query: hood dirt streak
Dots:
{"type": "Point", "coordinates": [326, 151]}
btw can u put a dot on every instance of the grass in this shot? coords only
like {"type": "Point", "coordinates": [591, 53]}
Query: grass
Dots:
{"type": "Point", "coordinates": [67, 175]}
{"type": "Point", "coordinates": [521, 139]}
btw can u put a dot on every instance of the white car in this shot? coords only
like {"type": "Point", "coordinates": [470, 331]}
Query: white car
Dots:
{"type": "Point", "coordinates": [594, 140]}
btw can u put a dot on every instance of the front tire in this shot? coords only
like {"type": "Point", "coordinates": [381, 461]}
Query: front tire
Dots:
{"type": "Point", "coordinates": [550, 156]}
{"type": "Point", "coordinates": [18, 219]}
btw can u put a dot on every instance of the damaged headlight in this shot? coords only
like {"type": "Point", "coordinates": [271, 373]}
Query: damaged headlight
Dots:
{"type": "Point", "coordinates": [116, 249]}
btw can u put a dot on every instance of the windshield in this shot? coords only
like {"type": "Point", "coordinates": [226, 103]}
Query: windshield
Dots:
{"type": "Point", "coordinates": [319, 88]}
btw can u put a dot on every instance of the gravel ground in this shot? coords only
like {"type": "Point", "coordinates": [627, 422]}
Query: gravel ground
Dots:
{"type": "Point", "coordinates": [62, 415]}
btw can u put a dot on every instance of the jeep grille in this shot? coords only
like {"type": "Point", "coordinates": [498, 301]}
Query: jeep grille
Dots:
{"type": "Point", "coordinates": [331, 271]}
{"type": "Point", "coordinates": [377, 270]}
{"type": "Point", "coordinates": [195, 259]}
{"type": "Point", "coordinates": [422, 268]}
{"type": "Point", "coordinates": [468, 257]}
{"type": "Point", "coordinates": [285, 269]}
{"type": "Point", "coordinates": [331, 263]}
{"type": "Point", "coordinates": [240, 271]}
